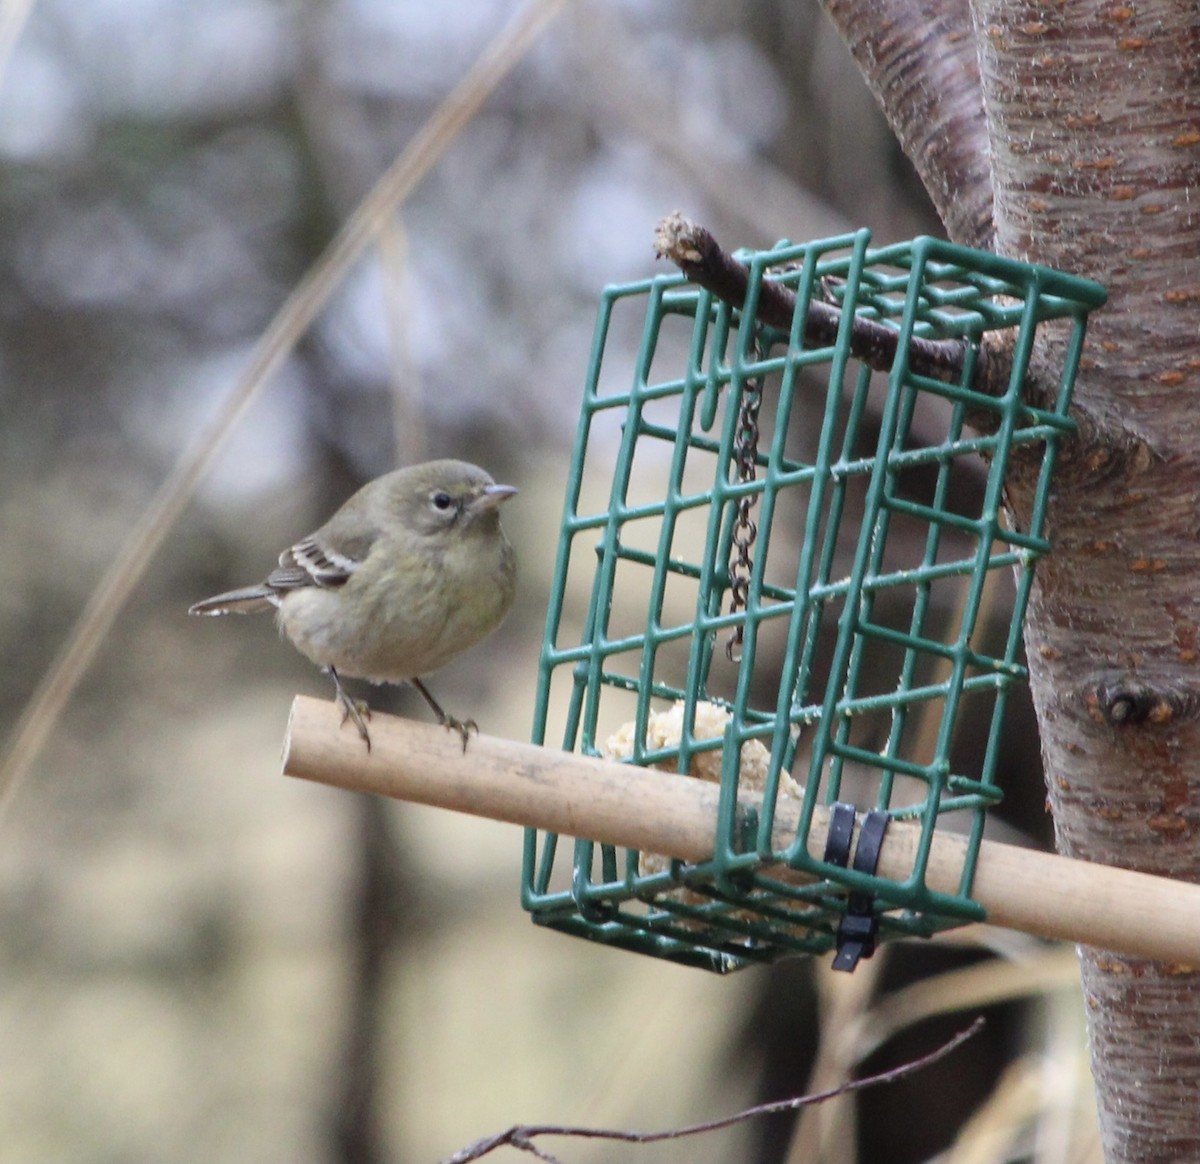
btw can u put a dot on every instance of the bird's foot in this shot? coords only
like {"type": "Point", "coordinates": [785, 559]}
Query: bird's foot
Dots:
{"type": "Point", "coordinates": [464, 727]}
{"type": "Point", "coordinates": [352, 709]}
{"type": "Point", "coordinates": [358, 711]}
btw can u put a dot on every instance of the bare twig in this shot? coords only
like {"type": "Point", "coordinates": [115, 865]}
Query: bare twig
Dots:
{"type": "Point", "coordinates": [701, 258]}
{"type": "Point", "coordinates": [522, 1135]}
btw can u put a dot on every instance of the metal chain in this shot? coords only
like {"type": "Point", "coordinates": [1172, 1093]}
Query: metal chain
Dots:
{"type": "Point", "coordinates": [745, 530]}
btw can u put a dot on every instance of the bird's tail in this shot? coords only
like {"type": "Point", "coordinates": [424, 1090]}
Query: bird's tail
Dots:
{"type": "Point", "coordinates": [248, 600]}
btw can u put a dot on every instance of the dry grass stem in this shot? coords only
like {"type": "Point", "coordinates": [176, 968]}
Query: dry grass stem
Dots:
{"type": "Point", "coordinates": [13, 16]}
{"type": "Point", "coordinates": [293, 319]}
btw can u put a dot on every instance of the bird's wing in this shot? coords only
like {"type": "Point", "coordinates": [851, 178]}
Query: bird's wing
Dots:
{"type": "Point", "coordinates": [312, 562]}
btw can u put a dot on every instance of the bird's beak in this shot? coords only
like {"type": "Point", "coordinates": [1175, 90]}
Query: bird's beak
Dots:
{"type": "Point", "coordinates": [493, 497]}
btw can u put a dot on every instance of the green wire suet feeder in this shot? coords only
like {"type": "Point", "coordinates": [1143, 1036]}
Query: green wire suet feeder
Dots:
{"type": "Point", "coordinates": [774, 557]}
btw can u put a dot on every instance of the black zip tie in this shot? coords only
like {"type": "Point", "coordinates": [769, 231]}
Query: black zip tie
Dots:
{"type": "Point", "coordinates": [841, 831]}
{"type": "Point", "coordinates": [859, 928]}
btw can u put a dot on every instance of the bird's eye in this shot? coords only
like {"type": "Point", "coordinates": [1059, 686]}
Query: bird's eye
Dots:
{"type": "Point", "coordinates": [443, 501]}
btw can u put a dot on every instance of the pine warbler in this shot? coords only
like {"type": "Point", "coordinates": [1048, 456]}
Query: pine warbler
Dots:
{"type": "Point", "coordinates": [409, 573]}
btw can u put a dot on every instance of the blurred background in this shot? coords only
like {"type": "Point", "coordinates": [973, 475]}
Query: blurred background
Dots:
{"type": "Point", "coordinates": [203, 961]}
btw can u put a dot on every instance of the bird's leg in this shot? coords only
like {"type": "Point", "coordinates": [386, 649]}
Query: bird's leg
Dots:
{"type": "Point", "coordinates": [464, 727]}
{"type": "Point", "coordinates": [355, 709]}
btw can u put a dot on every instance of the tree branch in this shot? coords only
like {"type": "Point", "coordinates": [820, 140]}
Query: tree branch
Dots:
{"type": "Point", "coordinates": [521, 1135]}
{"type": "Point", "coordinates": [700, 257]}
{"type": "Point", "coordinates": [919, 60]}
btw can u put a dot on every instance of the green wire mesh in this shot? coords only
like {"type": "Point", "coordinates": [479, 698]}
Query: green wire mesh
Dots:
{"type": "Point", "coordinates": [866, 657]}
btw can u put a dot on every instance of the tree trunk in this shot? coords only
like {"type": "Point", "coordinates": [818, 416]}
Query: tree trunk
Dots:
{"type": "Point", "coordinates": [1093, 121]}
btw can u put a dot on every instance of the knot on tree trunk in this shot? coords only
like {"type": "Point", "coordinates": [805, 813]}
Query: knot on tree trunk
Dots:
{"type": "Point", "coordinates": [1122, 702]}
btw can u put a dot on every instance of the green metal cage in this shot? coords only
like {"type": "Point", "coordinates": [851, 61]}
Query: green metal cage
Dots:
{"type": "Point", "coordinates": [773, 557]}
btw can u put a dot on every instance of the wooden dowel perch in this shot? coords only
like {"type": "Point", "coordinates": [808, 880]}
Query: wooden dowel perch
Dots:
{"type": "Point", "coordinates": [1038, 893]}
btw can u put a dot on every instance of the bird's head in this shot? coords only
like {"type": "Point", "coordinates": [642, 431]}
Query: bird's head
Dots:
{"type": "Point", "coordinates": [438, 497]}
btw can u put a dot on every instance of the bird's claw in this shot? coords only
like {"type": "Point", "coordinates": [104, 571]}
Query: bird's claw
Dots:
{"type": "Point", "coordinates": [355, 709]}
{"type": "Point", "coordinates": [358, 711]}
{"type": "Point", "coordinates": [464, 727]}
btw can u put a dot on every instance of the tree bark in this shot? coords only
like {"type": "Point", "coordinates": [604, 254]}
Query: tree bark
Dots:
{"type": "Point", "coordinates": [1092, 112]}
{"type": "Point", "coordinates": [918, 58]}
